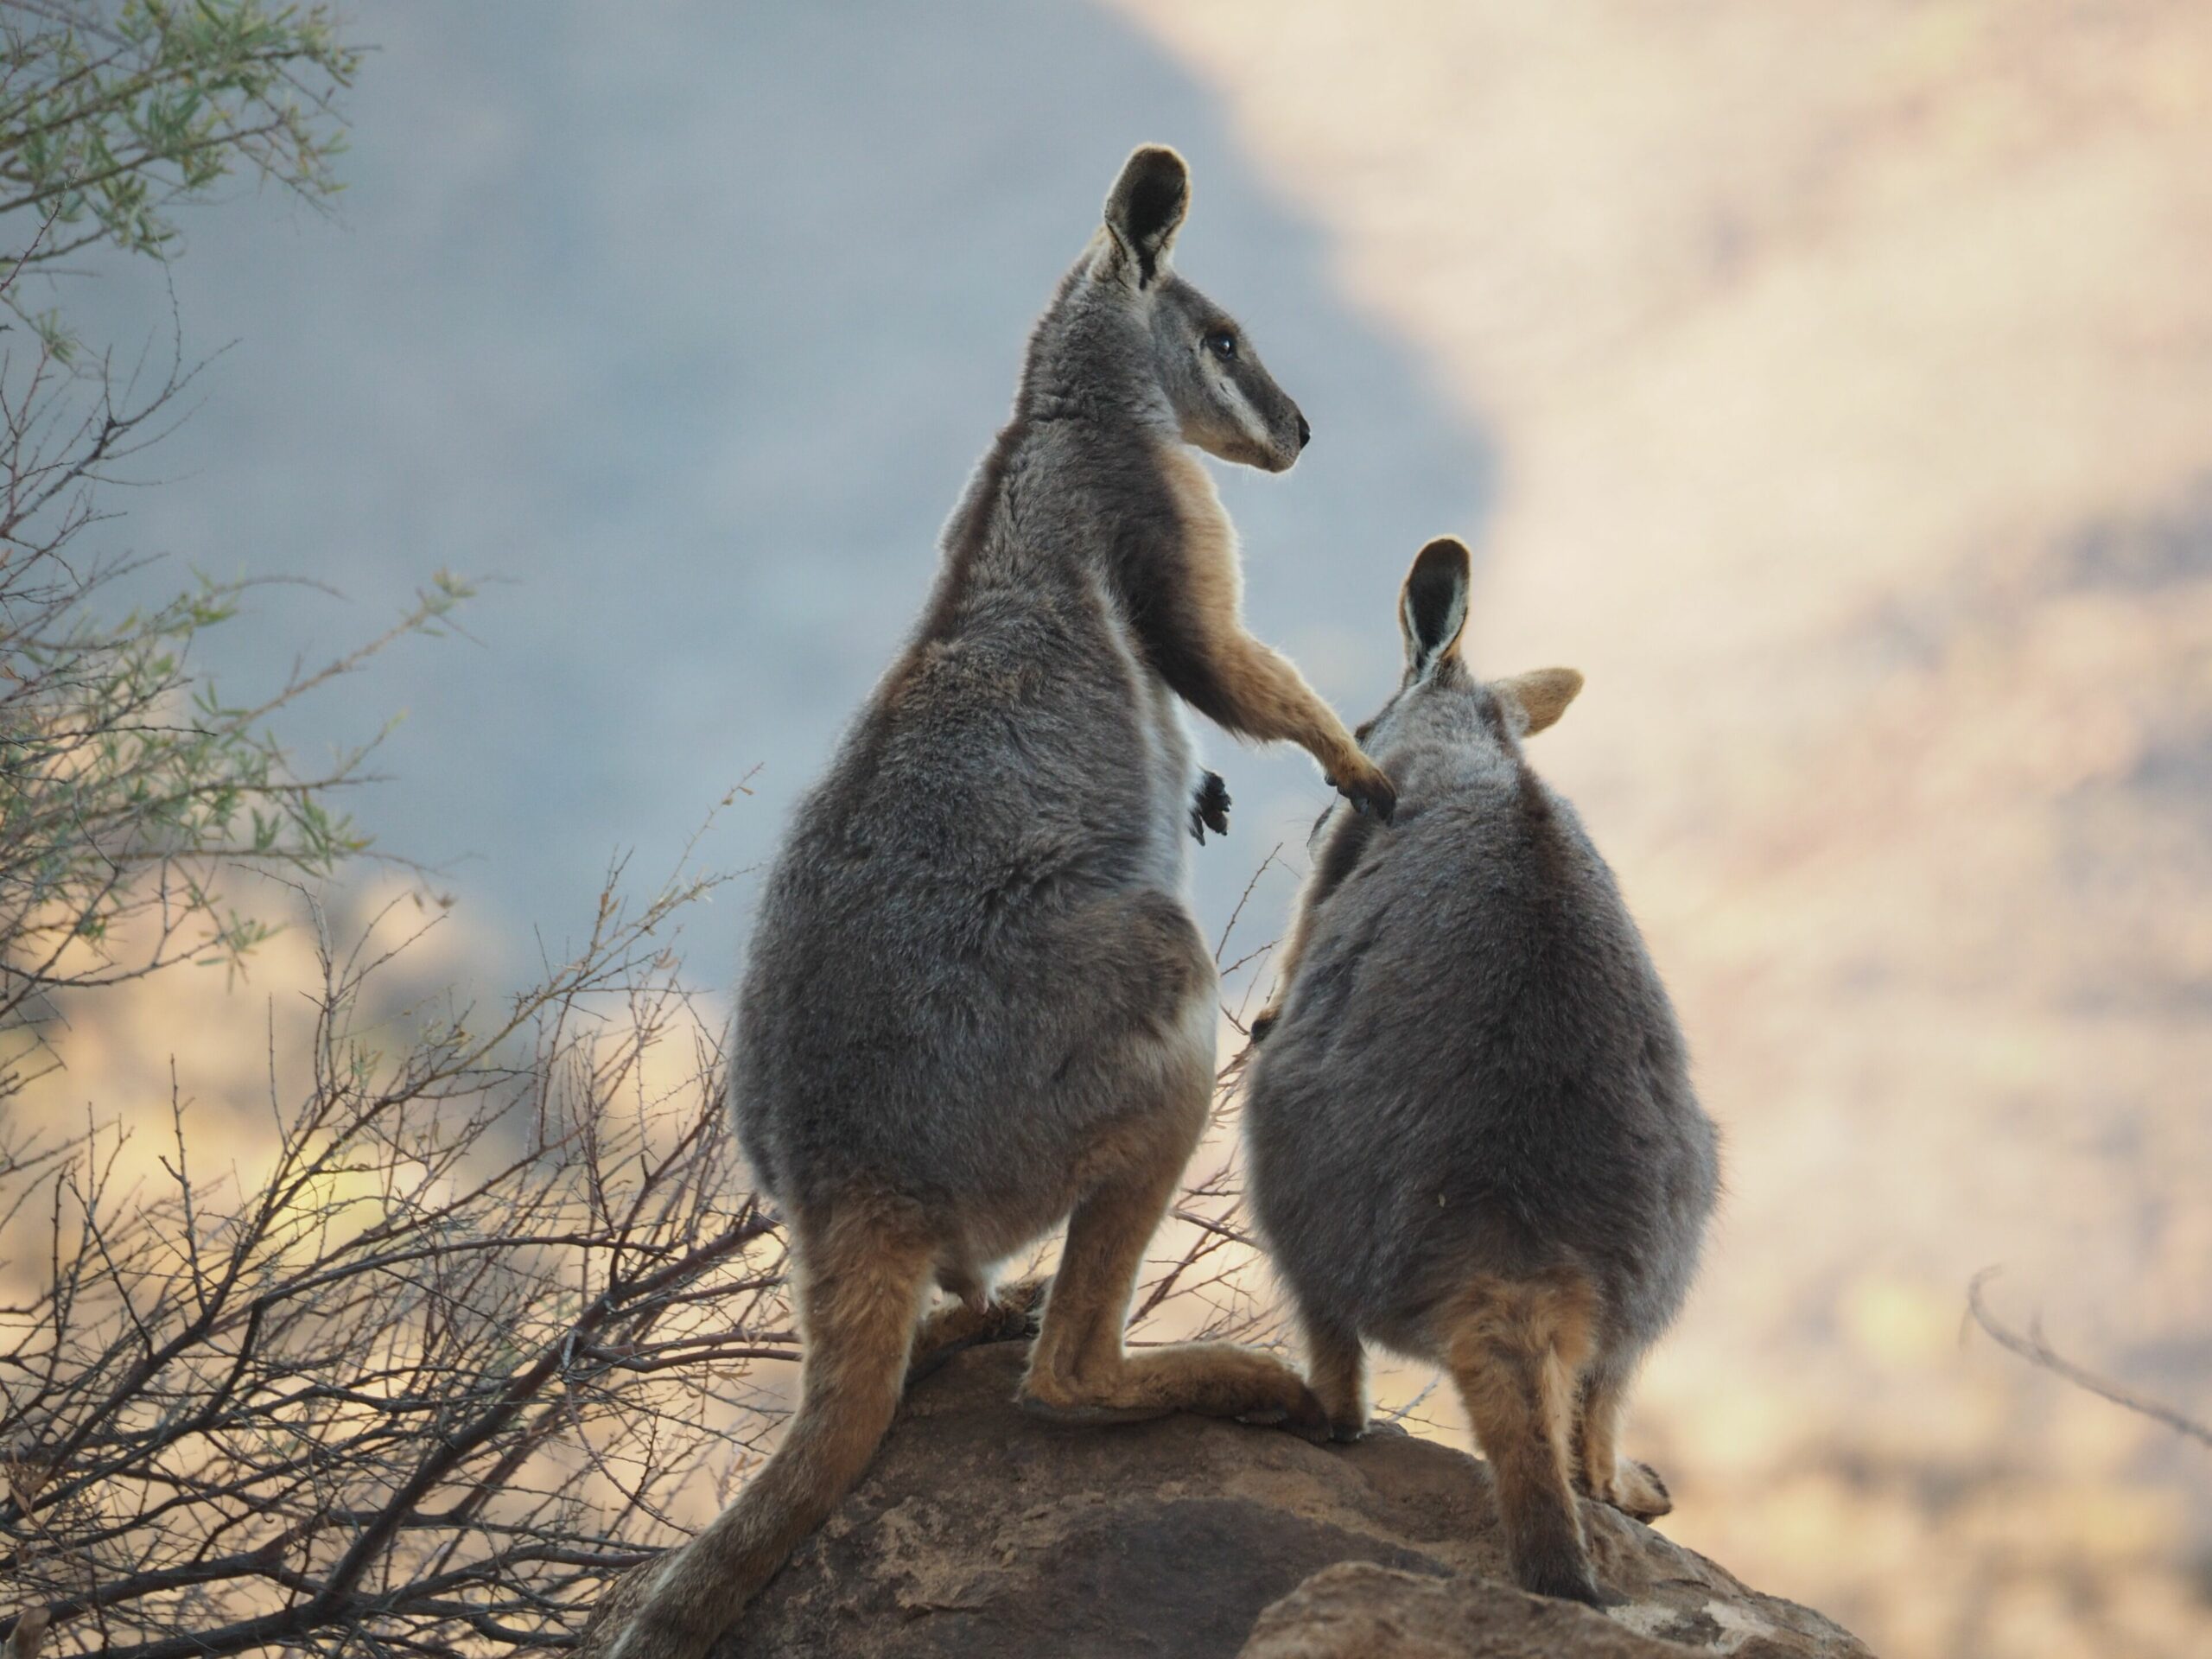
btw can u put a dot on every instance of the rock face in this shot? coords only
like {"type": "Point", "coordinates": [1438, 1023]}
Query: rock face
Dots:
{"type": "Point", "coordinates": [982, 1534]}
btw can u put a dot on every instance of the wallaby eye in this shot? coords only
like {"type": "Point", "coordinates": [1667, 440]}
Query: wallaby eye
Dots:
{"type": "Point", "coordinates": [1223, 345]}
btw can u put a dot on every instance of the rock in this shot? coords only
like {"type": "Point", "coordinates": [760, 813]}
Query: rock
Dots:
{"type": "Point", "coordinates": [1358, 1610]}
{"type": "Point", "coordinates": [981, 1532]}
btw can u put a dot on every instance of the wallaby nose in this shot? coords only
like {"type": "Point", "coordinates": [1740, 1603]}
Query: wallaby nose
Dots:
{"type": "Point", "coordinates": [1304, 433]}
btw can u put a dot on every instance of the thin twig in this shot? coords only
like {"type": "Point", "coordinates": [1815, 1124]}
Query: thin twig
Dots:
{"type": "Point", "coordinates": [2038, 1352]}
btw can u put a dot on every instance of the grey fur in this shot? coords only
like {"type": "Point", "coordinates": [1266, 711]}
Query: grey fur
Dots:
{"type": "Point", "coordinates": [977, 1003]}
{"type": "Point", "coordinates": [1475, 1072]}
{"type": "Point", "coordinates": [978, 915]}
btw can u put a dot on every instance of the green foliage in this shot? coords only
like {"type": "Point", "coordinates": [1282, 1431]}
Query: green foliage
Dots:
{"type": "Point", "coordinates": [131, 788]}
{"type": "Point", "coordinates": [113, 112]}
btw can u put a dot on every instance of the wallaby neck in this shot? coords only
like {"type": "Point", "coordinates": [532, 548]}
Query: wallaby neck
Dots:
{"type": "Point", "coordinates": [1062, 493]}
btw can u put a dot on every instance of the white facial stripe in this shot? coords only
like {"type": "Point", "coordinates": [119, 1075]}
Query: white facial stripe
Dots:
{"type": "Point", "coordinates": [1247, 417]}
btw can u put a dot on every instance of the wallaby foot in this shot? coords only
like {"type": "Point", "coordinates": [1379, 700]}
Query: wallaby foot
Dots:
{"type": "Point", "coordinates": [1210, 1379]}
{"type": "Point", "coordinates": [1009, 1315]}
{"type": "Point", "coordinates": [1336, 1369]}
{"type": "Point", "coordinates": [1565, 1574]}
{"type": "Point", "coordinates": [1079, 1370]}
{"type": "Point", "coordinates": [1601, 1471]}
{"type": "Point", "coordinates": [1638, 1492]}
{"type": "Point", "coordinates": [1518, 1349]}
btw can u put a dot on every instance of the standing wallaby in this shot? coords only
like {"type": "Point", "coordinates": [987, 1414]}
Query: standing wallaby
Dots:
{"type": "Point", "coordinates": [976, 1002]}
{"type": "Point", "coordinates": [1471, 1130]}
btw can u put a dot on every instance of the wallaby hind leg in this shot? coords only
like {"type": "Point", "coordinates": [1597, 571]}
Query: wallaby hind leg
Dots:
{"type": "Point", "coordinates": [1633, 1488]}
{"type": "Point", "coordinates": [1079, 1370]}
{"type": "Point", "coordinates": [860, 1279]}
{"type": "Point", "coordinates": [1516, 1351]}
{"type": "Point", "coordinates": [1336, 1369]}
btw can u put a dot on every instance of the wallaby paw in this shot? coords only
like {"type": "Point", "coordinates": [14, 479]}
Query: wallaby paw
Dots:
{"type": "Point", "coordinates": [1017, 1309]}
{"type": "Point", "coordinates": [1265, 1021]}
{"type": "Point", "coordinates": [1369, 790]}
{"type": "Point", "coordinates": [1209, 807]}
{"type": "Point", "coordinates": [1347, 1430]}
{"type": "Point", "coordinates": [1011, 1315]}
{"type": "Point", "coordinates": [1639, 1492]}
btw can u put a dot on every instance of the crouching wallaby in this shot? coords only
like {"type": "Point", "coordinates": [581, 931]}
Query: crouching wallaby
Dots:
{"type": "Point", "coordinates": [976, 1002]}
{"type": "Point", "coordinates": [1471, 1130]}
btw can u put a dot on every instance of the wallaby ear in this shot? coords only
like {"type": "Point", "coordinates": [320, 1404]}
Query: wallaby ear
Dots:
{"type": "Point", "coordinates": [1432, 604]}
{"type": "Point", "coordinates": [1541, 694]}
{"type": "Point", "coordinates": [1145, 208]}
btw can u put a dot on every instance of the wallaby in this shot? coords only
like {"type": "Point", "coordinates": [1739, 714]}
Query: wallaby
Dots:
{"type": "Point", "coordinates": [976, 1002]}
{"type": "Point", "coordinates": [1471, 1133]}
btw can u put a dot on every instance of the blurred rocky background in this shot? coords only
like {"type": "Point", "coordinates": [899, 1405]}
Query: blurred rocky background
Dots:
{"type": "Point", "coordinates": [1832, 386]}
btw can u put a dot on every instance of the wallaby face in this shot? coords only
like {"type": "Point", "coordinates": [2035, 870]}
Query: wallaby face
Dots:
{"type": "Point", "coordinates": [1222, 397]}
{"type": "Point", "coordinates": [1129, 371]}
{"type": "Point", "coordinates": [1471, 1129]}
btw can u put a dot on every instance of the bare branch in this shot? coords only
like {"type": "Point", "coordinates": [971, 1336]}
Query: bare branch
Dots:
{"type": "Point", "coordinates": [2032, 1348]}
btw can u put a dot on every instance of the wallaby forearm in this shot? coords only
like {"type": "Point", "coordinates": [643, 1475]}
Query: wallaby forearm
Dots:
{"type": "Point", "coordinates": [1194, 629]}
{"type": "Point", "coordinates": [1263, 697]}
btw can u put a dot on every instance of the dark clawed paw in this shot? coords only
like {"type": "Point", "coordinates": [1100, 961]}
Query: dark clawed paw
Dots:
{"type": "Point", "coordinates": [1377, 800]}
{"type": "Point", "coordinates": [1017, 1309]}
{"type": "Point", "coordinates": [1013, 1315]}
{"type": "Point", "coordinates": [1263, 1022]}
{"type": "Point", "coordinates": [1209, 807]}
{"type": "Point", "coordinates": [1371, 794]}
{"type": "Point", "coordinates": [1348, 1430]}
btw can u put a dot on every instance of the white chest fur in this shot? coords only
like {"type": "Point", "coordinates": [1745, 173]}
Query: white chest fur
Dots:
{"type": "Point", "coordinates": [1174, 777]}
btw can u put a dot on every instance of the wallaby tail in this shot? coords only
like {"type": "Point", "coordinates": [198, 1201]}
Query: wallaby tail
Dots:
{"type": "Point", "coordinates": [1516, 1350]}
{"type": "Point", "coordinates": [860, 1287]}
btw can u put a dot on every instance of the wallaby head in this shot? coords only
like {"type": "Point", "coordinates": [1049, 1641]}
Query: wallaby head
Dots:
{"type": "Point", "coordinates": [1126, 326]}
{"type": "Point", "coordinates": [1439, 697]}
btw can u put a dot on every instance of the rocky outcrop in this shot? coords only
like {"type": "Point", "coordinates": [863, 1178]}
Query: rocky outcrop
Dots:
{"type": "Point", "coordinates": [982, 1534]}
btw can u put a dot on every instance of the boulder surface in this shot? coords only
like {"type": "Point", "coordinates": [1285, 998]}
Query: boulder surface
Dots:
{"type": "Point", "coordinates": [981, 1532]}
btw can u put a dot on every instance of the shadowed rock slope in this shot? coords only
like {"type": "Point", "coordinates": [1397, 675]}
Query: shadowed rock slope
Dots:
{"type": "Point", "coordinates": [981, 1532]}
